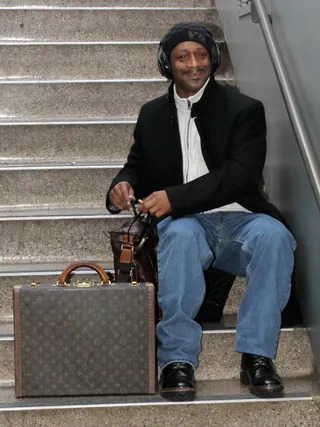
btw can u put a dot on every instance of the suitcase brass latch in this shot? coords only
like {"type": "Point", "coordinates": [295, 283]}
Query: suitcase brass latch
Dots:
{"type": "Point", "coordinates": [34, 285]}
{"type": "Point", "coordinates": [83, 284]}
{"type": "Point", "coordinates": [134, 283]}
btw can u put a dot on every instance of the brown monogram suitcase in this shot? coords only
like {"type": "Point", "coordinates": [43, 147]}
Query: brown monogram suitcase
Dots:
{"type": "Point", "coordinates": [84, 338]}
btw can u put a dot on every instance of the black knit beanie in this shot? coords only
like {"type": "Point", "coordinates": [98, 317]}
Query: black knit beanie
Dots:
{"type": "Point", "coordinates": [186, 31]}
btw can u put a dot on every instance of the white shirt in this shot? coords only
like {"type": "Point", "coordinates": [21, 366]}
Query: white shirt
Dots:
{"type": "Point", "coordinates": [194, 165]}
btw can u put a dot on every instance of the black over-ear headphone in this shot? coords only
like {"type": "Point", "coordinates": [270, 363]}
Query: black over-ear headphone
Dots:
{"type": "Point", "coordinates": [165, 67]}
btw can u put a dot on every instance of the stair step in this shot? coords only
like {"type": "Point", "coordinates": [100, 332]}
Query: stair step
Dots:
{"type": "Point", "coordinates": [208, 391]}
{"type": "Point", "coordinates": [217, 400]}
{"type": "Point", "coordinates": [79, 98]}
{"type": "Point", "coordinates": [110, 3]}
{"type": "Point", "coordinates": [81, 185]}
{"type": "Point", "coordinates": [82, 61]}
{"type": "Point", "coordinates": [51, 239]}
{"type": "Point", "coordinates": [226, 325]}
{"type": "Point", "coordinates": [99, 24]}
{"type": "Point", "coordinates": [65, 143]}
{"type": "Point", "coordinates": [14, 274]}
{"type": "Point", "coordinates": [218, 359]}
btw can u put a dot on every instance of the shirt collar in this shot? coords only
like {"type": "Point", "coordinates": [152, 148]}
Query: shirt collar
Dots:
{"type": "Point", "coordinates": [182, 103]}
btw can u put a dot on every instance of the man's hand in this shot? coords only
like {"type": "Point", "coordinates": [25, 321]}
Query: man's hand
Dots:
{"type": "Point", "coordinates": [120, 195]}
{"type": "Point", "coordinates": [157, 204]}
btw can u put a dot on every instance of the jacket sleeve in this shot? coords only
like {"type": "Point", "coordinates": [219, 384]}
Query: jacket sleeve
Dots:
{"type": "Point", "coordinates": [228, 183]}
{"type": "Point", "coordinates": [132, 170]}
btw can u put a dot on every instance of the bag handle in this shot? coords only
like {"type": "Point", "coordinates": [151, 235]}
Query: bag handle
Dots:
{"type": "Point", "coordinates": [138, 217]}
{"type": "Point", "coordinates": [147, 223]}
{"type": "Point", "coordinates": [64, 276]}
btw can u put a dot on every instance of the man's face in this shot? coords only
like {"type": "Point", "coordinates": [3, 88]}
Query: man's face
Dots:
{"type": "Point", "coordinates": [191, 67]}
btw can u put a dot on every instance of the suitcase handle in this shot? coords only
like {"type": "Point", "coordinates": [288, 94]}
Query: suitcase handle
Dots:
{"type": "Point", "coordinates": [64, 276]}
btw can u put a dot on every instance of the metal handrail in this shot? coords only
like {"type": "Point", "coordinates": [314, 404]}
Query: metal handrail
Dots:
{"type": "Point", "coordinates": [305, 145]}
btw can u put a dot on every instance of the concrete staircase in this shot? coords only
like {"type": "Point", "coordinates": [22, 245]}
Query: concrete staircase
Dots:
{"type": "Point", "coordinates": [73, 75]}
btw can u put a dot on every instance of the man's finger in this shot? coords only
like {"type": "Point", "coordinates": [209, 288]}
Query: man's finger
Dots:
{"type": "Point", "coordinates": [153, 210]}
{"type": "Point", "coordinates": [149, 202]}
{"type": "Point", "coordinates": [118, 195]}
{"type": "Point", "coordinates": [122, 191]}
{"type": "Point", "coordinates": [129, 195]}
{"type": "Point", "coordinates": [118, 202]}
{"type": "Point", "coordinates": [117, 192]}
{"type": "Point", "coordinates": [159, 213]}
{"type": "Point", "coordinates": [114, 198]}
{"type": "Point", "coordinates": [142, 208]}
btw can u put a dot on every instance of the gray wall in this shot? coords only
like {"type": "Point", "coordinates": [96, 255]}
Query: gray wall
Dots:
{"type": "Point", "coordinates": [296, 28]}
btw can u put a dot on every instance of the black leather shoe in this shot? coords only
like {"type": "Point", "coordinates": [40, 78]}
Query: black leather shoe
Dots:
{"type": "Point", "coordinates": [259, 373]}
{"type": "Point", "coordinates": [177, 382]}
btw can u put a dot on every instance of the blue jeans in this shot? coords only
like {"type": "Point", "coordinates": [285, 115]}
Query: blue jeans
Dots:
{"type": "Point", "coordinates": [254, 246]}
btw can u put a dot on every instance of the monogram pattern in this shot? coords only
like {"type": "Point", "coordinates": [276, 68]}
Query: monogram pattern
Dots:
{"type": "Point", "coordinates": [76, 341]}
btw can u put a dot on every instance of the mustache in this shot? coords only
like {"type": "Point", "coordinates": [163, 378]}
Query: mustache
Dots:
{"type": "Point", "coordinates": [194, 70]}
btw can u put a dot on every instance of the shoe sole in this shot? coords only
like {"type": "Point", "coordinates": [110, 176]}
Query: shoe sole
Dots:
{"type": "Point", "coordinates": [178, 394]}
{"type": "Point", "coordinates": [264, 391]}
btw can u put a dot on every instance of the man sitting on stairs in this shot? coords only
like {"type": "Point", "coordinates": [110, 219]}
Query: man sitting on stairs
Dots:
{"type": "Point", "coordinates": [197, 160]}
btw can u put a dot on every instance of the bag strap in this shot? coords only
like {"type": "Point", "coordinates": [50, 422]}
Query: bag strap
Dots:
{"type": "Point", "coordinates": [128, 249]}
{"type": "Point", "coordinates": [126, 258]}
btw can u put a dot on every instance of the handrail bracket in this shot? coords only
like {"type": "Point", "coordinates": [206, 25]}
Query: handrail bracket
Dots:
{"type": "Point", "coordinates": [247, 7]}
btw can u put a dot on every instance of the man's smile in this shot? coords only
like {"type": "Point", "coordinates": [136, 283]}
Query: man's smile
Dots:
{"type": "Point", "coordinates": [195, 75]}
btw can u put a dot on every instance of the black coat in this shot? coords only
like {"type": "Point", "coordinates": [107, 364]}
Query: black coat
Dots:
{"type": "Point", "coordinates": [232, 131]}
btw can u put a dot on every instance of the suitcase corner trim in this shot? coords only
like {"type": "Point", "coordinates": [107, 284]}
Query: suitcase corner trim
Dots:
{"type": "Point", "coordinates": [152, 340]}
{"type": "Point", "coordinates": [17, 340]}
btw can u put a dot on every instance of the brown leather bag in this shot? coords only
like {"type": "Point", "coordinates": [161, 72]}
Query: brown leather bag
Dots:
{"type": "Point", "coordinates": [134, 247]}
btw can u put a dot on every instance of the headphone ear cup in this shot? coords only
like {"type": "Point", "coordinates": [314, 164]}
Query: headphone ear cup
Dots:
{"type": "Point", "coordinates": [164, 64]}
{"type": "Point", "coordinates": [215, 57]}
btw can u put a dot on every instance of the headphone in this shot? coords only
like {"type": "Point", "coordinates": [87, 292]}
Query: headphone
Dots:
{"type": "Point", "coordinates": [165, 66]}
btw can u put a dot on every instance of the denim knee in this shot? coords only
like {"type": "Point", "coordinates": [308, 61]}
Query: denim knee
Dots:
{"type": "Point", "coordinates": [272, 232]}
{"type": "Point", "coordinates": [185, 234]}
{"type": "Point", "coordinates": [180, 230]}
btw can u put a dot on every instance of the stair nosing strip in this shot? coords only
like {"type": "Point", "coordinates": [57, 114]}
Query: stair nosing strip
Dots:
{"type": "Point", "coordinates": [80, 81]}
{"type": "Point", "coordinates": [233, 331]}
{"type": "Point", "coordinates": [66, 43]}
{"type": "Point", "coordinates": [6, 383]}
{"type": "Point", "coordinates": [85, 43]}
{"type": "Point", "coordinates": [61, 122]}
{"type": "Point", "coordinates": [61, 216]}
{"type": "Point", "coordinates": [6, 338]}
{"type": "Point", "coordinates": [41, 273]}
{"type": "Point", "coordinates": [101, 81]}
{"type": "Point", "coordinates": [58, 166]}
{"type": "Point", "coordinates": [294, 396]}
{"type": "Point", "coordinates": [105, 8]}
{"type": "Point", "coordinates": [53, 217]}
{"type": "Point", "coordinates": [51, 272]}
